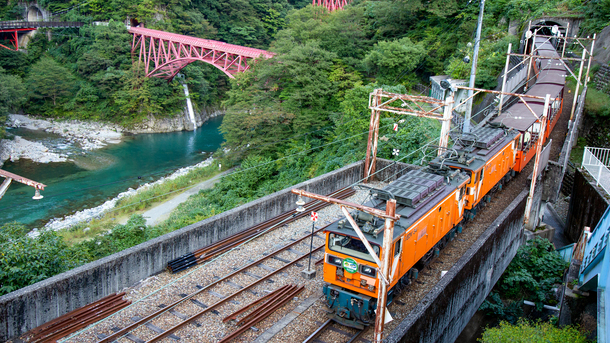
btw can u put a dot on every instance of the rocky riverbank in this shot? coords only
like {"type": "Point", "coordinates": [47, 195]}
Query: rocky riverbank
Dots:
{"type": "Point", "coordinates": [90, 213]}
{"type": "Point", "coordinates": [85, 135]}
{"type": "Point", "coordinates": [181, 122]}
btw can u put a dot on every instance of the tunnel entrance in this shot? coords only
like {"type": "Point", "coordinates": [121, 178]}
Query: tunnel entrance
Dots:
{"type": "Point", "coordinates": [34, 14]}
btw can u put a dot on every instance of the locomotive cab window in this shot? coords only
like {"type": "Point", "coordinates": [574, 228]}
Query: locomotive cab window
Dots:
{"type": "Point", "coordinates": [350, 246]}
{"type": "Point", "coordinates": [397, 247]}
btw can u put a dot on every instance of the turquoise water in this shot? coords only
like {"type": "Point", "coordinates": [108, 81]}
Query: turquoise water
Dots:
{"type": "Point", "coordinates": [100, 175]}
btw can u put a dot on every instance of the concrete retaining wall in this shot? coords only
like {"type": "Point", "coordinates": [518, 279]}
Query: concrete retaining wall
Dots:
{"type": "Point", "coordinates": [558, 169]}
{"type": "Point", "coordinates": [587, 205]}
{"type": "Point", "coordinates": [445, 311]}
{"type": "Point", "coordinates": [37, 304]}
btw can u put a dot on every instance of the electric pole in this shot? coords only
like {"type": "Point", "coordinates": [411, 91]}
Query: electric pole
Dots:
{"type": "Point", "coordinates": [473, 70]}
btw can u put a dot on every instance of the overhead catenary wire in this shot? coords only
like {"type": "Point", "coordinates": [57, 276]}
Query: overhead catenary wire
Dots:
{"type": "Point", "coordinates": [230, 174]}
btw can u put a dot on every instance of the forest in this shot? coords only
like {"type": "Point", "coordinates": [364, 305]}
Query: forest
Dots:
{"type": "Point", "coordinates": [295, 116]}
{"type": "Point", "coordinates": [320, 57]}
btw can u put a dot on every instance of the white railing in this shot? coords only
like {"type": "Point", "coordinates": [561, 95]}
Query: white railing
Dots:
{"type": "Point", "coordinates": [596, 161]}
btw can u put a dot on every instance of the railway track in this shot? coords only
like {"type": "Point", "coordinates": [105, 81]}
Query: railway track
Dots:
{"type": "Point", "coordinates": [251, 278]}
{"type": "Point", "coordinates": [208, 252]}
{"type": "Point", "coordinates": [331, 329]}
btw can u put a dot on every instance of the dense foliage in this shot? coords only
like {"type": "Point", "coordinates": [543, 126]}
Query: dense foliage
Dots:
{"type": "Point", "coordinates": [297, 115]}
{"type": "Point", "coordinates": [12, 95]}
{"type": "Point", "coordinates": [25, 260]}
{"type": "Point", "coordinates": [532, 274]}
{"type": "Point", "coordinates": [527, 332]}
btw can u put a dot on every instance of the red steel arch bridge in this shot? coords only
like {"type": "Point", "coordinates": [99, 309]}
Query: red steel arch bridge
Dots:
{"type": "Point", "coordinates": [164, 54]}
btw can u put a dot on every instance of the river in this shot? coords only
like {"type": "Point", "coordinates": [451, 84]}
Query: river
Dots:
{"type": "Point", "coordinates": [97, 176]}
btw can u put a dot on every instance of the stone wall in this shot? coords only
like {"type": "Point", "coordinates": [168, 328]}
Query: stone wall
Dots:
{"type": "Point", "coordinates": [37, 304]}
{"type": "Point", "coordinates": [602, 78]}
{"type": "Point", "coordinates": [447, 308]}
{"type": "Point", "coordinates": [587, 205]}
{"type": "Point", "coordinates": [179, 122]}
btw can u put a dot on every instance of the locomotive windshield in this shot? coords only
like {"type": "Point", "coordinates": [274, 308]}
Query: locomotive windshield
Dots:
{"type": "Point", "coordinates": [350, 246]}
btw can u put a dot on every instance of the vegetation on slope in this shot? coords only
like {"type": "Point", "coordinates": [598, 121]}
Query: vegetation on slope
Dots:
{"type": "Point", "coordinates": [290, 118]}
{"type": "Point", "coordinates": [532, 274]}
{"type": "Point", "coordinates": [536, 332]}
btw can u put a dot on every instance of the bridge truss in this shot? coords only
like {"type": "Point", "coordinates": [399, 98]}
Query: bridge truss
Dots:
{"type": "Point", "coordinates": [331, 5]}
{"type": "Point", "coordinates": [164, 54]}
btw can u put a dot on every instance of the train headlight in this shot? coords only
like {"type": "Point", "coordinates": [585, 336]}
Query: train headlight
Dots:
{"type": "Point", "coordinates": [334, 260]}
{"type": "Point", "coordinates": [368, 270]}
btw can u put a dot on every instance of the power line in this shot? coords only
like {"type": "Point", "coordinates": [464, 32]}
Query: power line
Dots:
{"type": "Point", "coordinates": [247, 169]}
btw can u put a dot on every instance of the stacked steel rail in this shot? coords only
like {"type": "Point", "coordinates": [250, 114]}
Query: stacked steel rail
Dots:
{"type": "Point", "coordinates": [206, 253]}
{"type": "Point", "coordinates": [327, 326]}
{"type": "Point", "coordinates": [268, 305]}
{"type": "Point", "coordinates": [78, 319]}
{"type": "Point", "coordinates": [227, 302]}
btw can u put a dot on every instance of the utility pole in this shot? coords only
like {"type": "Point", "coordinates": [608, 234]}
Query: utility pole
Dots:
{"type": "Point", "coordinates": [473, 69]}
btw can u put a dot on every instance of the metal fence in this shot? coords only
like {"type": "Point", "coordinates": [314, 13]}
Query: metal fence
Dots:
{"type": "Point", "coordinates": [19, 24]}
{"type": "Point", "coordinates": [596, 161]}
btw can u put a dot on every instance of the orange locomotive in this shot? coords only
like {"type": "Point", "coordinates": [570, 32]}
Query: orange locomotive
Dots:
{"type": "Point", "coordinates": [434, 202]}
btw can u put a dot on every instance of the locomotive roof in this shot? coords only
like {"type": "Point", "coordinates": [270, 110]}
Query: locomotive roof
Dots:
{"type": "Point", "coordinates": [551, 80]}
{"type": "Point", "coordinates": [408, 214]}
{"type": "Point", "coordinates": [473, 148]}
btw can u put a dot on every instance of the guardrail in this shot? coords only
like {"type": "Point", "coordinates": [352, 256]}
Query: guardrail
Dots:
{"type": "Point", "coordinates": [19, 24]}
{"type": "Point", "coordinates": [596, 161]}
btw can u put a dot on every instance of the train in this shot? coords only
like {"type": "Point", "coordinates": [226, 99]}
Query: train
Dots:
{"type": "Point", "coordinates": [434, 202]}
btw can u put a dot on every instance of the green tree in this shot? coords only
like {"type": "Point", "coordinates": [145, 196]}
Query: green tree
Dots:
{"type": "Point", "coordinates": [49, 80]}
{"type": "Point", "coordinates": [12, 96]}
{"type": "Point", "coordinates": [25, 260]}
{"type": "Point", "coordinates": [537, 332]}
{"type": "Point", "coordinates": [390, 60]}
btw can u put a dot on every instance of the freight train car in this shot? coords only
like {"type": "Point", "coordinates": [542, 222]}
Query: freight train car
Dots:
{"type": "Point", "coordinates": [435, 201]}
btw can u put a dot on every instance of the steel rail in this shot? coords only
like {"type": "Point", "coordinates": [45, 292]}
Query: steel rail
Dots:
{"type": "Point", "coordinates": [227, 298]}
{"type": "Point", "coordinates": [210, 251]}
{"type": "Point", "coordinates": [268, 307]}
{"type": "Point", "coordinates": [78, 319]}
{"type": "Point", "coordinates": [84, 322]}
{"type": "Point", "coordinates": [128, 328]}
{"type": "Point", "coordinates": [249, 306]}
{"type": "Point", "coordinates": [287, 295]}
{"type": "Point", "coordinates": [318, 331]}
{"type": "Point", "coordinates": [68, 316]}
{"type": "Point", "coordinates": [318, 205]}
{"type": "Point", "coordinates": [356, 336]}
{"type": "Point", "coordinates": [325, 326]}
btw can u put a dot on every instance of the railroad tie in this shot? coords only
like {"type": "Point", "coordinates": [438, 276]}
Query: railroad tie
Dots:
{"type": "Point", "coordinates": [337, 330]}
{"type": "Point", "coordinates": [129, 336]}
{"type": "Point", "coordinates": [203, 306]}
{"type": "Point", "coordinates": [155, 328]}
{"type": "Point", "coordinates": [296, 252]}
{"type": "Point", "coordinates": [102, 336]}
{"type": "Point", "coordinates": [281, 259]}
{"type": "Point", "coordinates": [257, 277]}
{"type": "Point", "coordinates": [178, 314]}
{"type": "Point", "coordinates": [234, 285]}
{"type": "Point", "coordinates": [220, 296]}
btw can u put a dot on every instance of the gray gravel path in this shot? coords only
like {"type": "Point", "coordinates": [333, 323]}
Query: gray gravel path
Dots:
{"type": "Point", "coordinates": [162, 211]}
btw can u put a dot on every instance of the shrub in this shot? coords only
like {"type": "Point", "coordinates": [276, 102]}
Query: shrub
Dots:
{"type": "Point", "coordinates": [25, 260]}
{"type": "Point", "coordinates": [527, 332]}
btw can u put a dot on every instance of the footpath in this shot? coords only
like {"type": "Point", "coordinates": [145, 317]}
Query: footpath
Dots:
{"type": "Point", "coordinates": [162, 211]}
